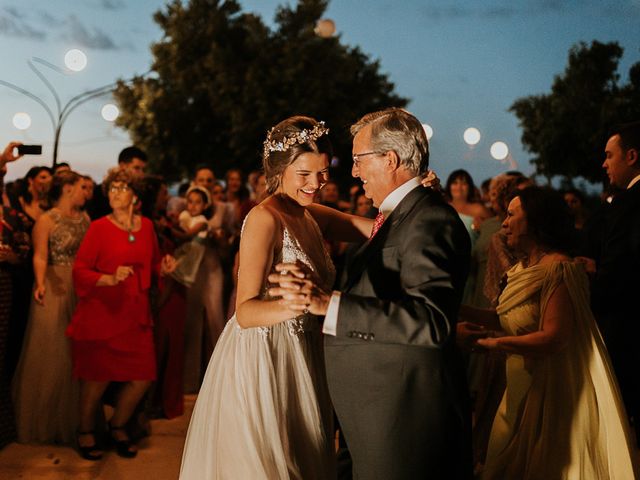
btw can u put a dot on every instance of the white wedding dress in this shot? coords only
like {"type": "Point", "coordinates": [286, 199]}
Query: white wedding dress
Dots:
{"type": "Point", "coordinates": [263, 411]}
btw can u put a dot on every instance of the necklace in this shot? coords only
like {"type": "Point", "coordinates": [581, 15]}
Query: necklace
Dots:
{"type": "Point", "coordinates": [130, 237]}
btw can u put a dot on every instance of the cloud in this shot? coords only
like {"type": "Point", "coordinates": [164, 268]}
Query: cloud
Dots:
{"type": "Point", "coordinates": [14, 12]}
{"type": "Point", "coordinates": [501, 9]}
{"type": "Point", "coordinates": [13, 23]}
{"type": "Point", "coordinates": [500, 12]}
{"type": "Point", "coordinates": [50, 20]}
{"type": "Point", "coordinates": [112, 4]}
{"type": "Point", "coordinates": [96, 38]}
{"type": "Point", "coordinates": [440, 12]}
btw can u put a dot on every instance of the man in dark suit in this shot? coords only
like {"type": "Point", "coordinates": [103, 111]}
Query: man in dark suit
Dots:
{"type": "Point", "coordinates": [395, 378]}
{"type": "Point", "coordinates": [131, 159]}
{"type": "Point", "coordinates": [615, 285]}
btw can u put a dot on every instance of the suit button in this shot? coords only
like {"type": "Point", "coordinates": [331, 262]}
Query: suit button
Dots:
{"type": "Point", "coordinates": [371, 336]}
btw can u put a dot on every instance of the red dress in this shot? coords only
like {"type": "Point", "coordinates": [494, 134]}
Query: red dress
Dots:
{"type": "Point", "coordinates": [111, 328]}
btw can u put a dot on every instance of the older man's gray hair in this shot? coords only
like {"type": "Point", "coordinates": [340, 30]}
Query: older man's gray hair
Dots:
{"type": "Point", "coordinates": [396, 129]}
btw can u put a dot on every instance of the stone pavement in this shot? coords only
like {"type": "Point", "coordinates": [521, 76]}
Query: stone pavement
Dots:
{"type": "Point", "coordinates": [158, 458]}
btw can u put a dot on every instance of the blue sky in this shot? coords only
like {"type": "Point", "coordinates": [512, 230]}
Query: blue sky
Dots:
{"type": "Point", "coordinates": [462, 64]}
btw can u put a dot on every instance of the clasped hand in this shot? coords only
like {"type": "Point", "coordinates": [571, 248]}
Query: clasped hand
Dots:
{"type": "Point", "coordinates": [298, 289]}
{"type": "Point", "coordinates": [121, 274]}
{"type": "Point", "coordinates": [167, 265]}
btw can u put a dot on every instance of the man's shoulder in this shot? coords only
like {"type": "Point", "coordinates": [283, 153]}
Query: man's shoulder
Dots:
{"type": "Point", "coordinates": [429, 202]}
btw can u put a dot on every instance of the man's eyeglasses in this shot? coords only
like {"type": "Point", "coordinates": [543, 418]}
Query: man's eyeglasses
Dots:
{"type": "Point", "coordinates": [356, 157]}
{"type": "Point", "coordinates": [119, 188]}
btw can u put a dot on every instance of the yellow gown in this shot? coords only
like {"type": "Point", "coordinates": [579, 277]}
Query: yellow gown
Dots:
{"type": "Point", "coordinates": [561, 416]}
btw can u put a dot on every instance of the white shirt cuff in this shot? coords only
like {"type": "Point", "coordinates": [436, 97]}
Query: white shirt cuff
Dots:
{"type": "Point", "coordinates": [330, 325]}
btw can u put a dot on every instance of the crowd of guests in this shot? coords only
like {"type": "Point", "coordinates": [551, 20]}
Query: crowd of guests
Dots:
{"type": "Point", "coordinates": [116, 294]}
{"type": "Point", "coordinates": [73, 338]}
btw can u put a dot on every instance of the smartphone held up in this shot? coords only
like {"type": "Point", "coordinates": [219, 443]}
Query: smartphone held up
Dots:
{"type": "Point", "coordinates": [29, 149]}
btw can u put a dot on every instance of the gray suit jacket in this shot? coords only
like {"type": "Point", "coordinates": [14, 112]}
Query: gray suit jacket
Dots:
{"type": "Point", "coordinates": [395, 377]}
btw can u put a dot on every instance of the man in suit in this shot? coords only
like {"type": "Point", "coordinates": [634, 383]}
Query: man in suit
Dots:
{"type": "Point", "coordinates": [615, 285]}
{"type": "Point", "coordinates": [395, 378]}
{"type": "Point", "coordinates": [131, 159]}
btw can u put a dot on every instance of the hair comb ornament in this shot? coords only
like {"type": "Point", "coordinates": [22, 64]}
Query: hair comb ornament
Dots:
{"type": "Point", "coordinates": [300, 137]}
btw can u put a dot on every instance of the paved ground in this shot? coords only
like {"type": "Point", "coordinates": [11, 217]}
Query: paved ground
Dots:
{"type": "Point", "coordinates": [158, 459]}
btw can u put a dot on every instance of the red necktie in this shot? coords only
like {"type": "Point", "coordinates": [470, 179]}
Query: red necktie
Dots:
{"type": "Point", "coordinates": [377, 224]}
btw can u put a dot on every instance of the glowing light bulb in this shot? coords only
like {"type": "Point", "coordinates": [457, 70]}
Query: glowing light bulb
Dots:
{"type": "Point", "coordinates": [428, 130]}
{"type": "Point", "coordinates": [325, 28]}
{"type": "Point", "coordinates": [75, 60]}
{"type": "Point", "coordinates": [471, 136]}
{"type": "Point", "coordinates": [21, 121]}
{"type": "Point", "coordinates": [499, 150]}
{"type": "Point", "coordinates": [110, 112]}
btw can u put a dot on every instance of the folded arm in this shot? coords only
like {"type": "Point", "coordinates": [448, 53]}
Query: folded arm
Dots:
{"type": "Point", "coordinates": [553, 336]}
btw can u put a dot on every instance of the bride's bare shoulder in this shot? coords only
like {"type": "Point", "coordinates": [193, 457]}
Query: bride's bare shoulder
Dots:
{"type": "Point", "coordinates": [261, 220]}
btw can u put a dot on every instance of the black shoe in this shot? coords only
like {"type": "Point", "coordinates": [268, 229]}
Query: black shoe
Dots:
{"type": "Point", "coordinates": [123, 447]}
{"type": "Point", "coordinates": [90, 452]}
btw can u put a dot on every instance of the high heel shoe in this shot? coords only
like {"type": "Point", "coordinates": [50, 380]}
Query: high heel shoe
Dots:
{"type": "Point", "coordinates": [90, 452]}
{"type": "Point", "coordinates": [123, 447]}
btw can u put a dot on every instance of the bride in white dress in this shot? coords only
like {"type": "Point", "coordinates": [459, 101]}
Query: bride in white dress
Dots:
{"type": "Point", "coordinates": [263, 411]}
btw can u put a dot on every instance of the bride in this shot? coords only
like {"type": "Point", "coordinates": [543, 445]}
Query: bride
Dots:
{"type": "Point", "coordinates": [264, 410]}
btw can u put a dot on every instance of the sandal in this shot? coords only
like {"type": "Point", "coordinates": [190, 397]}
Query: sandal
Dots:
{"type": "Point", "coordinates": [89, 452]}
{"type": "Point", "coordinates": [123, 447]}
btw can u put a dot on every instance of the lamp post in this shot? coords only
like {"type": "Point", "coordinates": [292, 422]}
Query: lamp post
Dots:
{"type": "Point", "coordinates": [500, 151]}
{"type": "Point", "coordinates": [428, 130]}
{"type": "Point", "coordinates": [75, 61]}
{"type": "Point", "coordinates": [471, 136]}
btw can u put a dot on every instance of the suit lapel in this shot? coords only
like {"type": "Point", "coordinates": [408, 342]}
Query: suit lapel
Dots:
{"type": "Point", "coordinates": [368, 249]}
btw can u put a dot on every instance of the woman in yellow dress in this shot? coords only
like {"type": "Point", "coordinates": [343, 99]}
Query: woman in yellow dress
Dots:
{"type": "Point", "coordinates": [561, 416]}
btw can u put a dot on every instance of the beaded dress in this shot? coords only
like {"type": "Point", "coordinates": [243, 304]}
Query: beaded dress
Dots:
{"type": "Point", "coordinates": [263, 411]}
{"type": "Point", "coordinates": [45, 395]}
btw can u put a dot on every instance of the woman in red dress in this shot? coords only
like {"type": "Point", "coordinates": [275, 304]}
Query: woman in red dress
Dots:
{"type": "Point", "coordinates": [111, 329]}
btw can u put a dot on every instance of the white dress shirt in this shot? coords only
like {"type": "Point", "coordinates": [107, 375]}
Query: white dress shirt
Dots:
{"type": "Point", "coordinates": [635, 180]}
{"type": "Point", "coordinates": [330, 326]}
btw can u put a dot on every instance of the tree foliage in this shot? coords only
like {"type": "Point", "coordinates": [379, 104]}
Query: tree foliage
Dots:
{"type": "Point", "coordinates": [566, 129]}
{"type": "Point", "coordinates": [220, 78]}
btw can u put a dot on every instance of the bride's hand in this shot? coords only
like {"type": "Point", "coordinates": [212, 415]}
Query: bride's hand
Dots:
{"type": "Point", "coordinates": [298, 292]}
{"type": "Point", "coordinates": [297, 270]}
{"type": "Point", "coordinates": [430, 180]}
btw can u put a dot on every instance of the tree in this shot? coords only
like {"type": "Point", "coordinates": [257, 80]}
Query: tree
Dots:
{"type": "Point", "coordinates": [566, 129]}
{"type": "Point", "coordinates": [221, 78]}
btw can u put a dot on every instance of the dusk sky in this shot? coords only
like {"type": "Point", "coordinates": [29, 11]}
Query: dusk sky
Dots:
{"type": "Point", "coordinates": [462, 64]}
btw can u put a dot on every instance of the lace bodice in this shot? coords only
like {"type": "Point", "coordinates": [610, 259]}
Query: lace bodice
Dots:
{"type": "Point", "coordinates": [65, 237]}
{"type": "Point", "coordinates": [292, 252]}
{"type": "Point", "coordinates": [319, 262]}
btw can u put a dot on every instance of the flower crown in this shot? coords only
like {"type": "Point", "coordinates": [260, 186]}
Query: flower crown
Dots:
{"type": "Point", "coordinates": [300, 137]}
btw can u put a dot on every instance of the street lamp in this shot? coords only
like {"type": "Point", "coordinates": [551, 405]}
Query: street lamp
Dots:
{"type": "Point", "coordinates": [75, 61]}
{"type": "Point", "coordinates": [110, 112]}
{"type": "Point", "coordinates": [21, 121]}
{"type": "Point", "coordinates": [499, 150]}
{"type": "Point", "coordinates": [471, 136]}
{"type": "Point", "coordinates": [325, 28]}
{"type": "Point", "coordinates": [427, 130]}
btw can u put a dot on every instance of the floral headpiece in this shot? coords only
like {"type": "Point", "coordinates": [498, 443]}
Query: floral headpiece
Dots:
{"type": "Point", "coordinates": [300, 137]}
